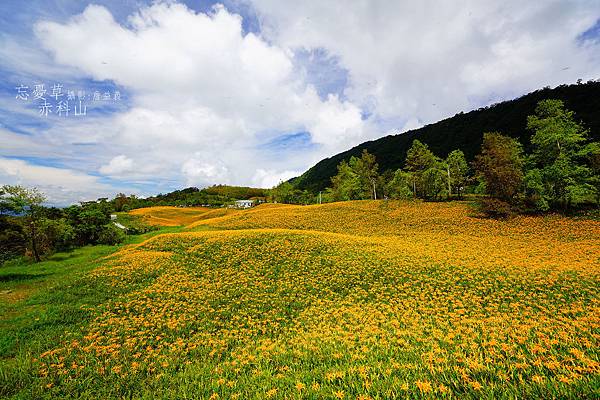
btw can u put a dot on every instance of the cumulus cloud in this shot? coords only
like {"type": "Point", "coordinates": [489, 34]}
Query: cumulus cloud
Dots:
{"type": "Point", "coordinates": [62, 186]}
{"type": "Point", "coordinates": [269, 178]}
{"type": "Point", "coordinates": [204, 96]}
{"type": "Point", "coordinates": [427, 60]}
{"type": "Point", "coordinates": [117, 166]}
{"type": "Point", "coordinates": [200, 87]}
{"type": "Point", "coordinates": [198, 172]}
{"type": "Point", "coordinates": [194, 76]}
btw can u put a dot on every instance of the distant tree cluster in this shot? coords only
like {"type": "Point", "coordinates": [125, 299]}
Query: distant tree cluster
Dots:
{"type": "Point", "coordinates": [424, 176]}
{"type": "Point", "coordinates": [30, 228]}
{"type": "Point", "coordinates": [286, 193]}
{"type": "Point", "coordinates": [235, 192]}
{"type": "Point", "coordinates": [431, 177]}
{"type": "Point", "coordinates": [213, 196]}
{"type": "Point", "coordinates": [561, 172]}
{"type": "Point", "coordinates": [356, 179]}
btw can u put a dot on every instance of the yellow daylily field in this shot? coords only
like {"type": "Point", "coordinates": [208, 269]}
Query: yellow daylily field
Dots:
{"type": "Point", "coordinates": [175, 216]}
{"type": "Point", "coordinates": [353, 300]}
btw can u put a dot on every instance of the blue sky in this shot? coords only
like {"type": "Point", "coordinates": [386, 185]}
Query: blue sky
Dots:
{"type": "Point", "coordinates": [252, 92]}
{"type": "Point", "coordinates": [592, 34]}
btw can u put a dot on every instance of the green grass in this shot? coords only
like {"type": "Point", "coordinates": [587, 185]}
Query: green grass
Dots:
{"type": "Point", "coordinates": [39, 302]}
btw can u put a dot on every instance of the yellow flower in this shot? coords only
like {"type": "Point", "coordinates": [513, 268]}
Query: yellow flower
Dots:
{"type": "Point", "coordinates": [424, 386]}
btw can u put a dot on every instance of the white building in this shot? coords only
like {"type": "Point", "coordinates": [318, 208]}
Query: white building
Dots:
{"type": "Point", "coordinates": [244, 203]}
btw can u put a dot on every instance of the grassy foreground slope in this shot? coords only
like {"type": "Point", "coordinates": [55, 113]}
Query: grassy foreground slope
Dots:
{"type": "Point", "coordinates": [344, 300]}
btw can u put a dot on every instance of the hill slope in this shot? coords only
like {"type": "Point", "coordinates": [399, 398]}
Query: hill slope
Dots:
{"type": "Point", "coordinates": [170, 216]}
{"type": "Point", "coordinates": [465, 131]}
{"type": "Point", "coordinates": [364, 299]}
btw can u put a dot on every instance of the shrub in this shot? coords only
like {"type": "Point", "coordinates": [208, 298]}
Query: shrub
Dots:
{"type": "Point", "coordinates": [88, 221]}
{"type": "Point", "coordinates": [496, 208]}
{"type": "Point", "coordinates": [55, 235]}
{"type": "Point", "coordinates": [110, 234]}
{"type": "Point", "coordinates": [12, 239]}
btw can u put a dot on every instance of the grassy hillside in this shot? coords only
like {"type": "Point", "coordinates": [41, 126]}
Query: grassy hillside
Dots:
{"type": "Point", "coordinates": [170, 216]}
{"type": "Point", "coordinates": [347, 300]}
{"type": "Point", "coordinates": [465, 131]}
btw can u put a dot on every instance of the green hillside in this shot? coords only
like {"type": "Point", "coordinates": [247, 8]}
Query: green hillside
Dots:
{"type": "Point", "coordinates": [465, 131]}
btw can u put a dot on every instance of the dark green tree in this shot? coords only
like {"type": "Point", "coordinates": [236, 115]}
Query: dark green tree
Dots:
{"type": "Point", "coordinates": [400, 186]}
{"type": "Point", "coordinates": [499, 165]}
{"type": "Point", "coordinates": [282, 193]}
{"type": "Point", "coordinates": [346, 183]}
{"type": "Point", "coordinates": [435, 181]}
{"type": "Point", "coordinates": [367, 171]}
{"type": "Point", "coordinates": [559, 154]}
{"type": "Point", "coordinates": [418, 160]}
{"type": "Point", "coordinates": [457, 170]}
{"type": "Point", "coordinates": [593, 151]}
{"type": "Point", "coordinates": [26, 202]}
{"type": "Point", "coordinates": [88, 221]}
{"type": "Point", "coordinates": [356, 179]}
{"type": "Point", "coordinates": [13, 240]}
{"type": "Point", "coordinates": [55, 235]}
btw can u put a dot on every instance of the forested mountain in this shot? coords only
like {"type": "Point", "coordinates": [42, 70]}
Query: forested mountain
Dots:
{"type": "Point", "coordinates": [465, 131]}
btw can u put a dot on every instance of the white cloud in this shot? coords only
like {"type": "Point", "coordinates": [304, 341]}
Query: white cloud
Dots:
{"type": "Point", "coordinates": [170, 49]}
{"type": "Point", "coordinates": [335, 122]}
{"type": "Point", "coordinates": [270, 178]}
{"type": "Point", "coordinates": [13, 143]}
{"type": "Point", "coordinates": [426, 60]}
{"type": "Point", "coordinates": [200, 173]}
{"type": "Point", "coordinates": [117, 166]}
{"type": "Point", "coordinates": [62, 186]}
{"type": "Point", "coordinates": [25, 60]}
{"type": "Point", "coordinates": [204, 96]}
{"type": "Point", "coordinates": [199, 87]}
